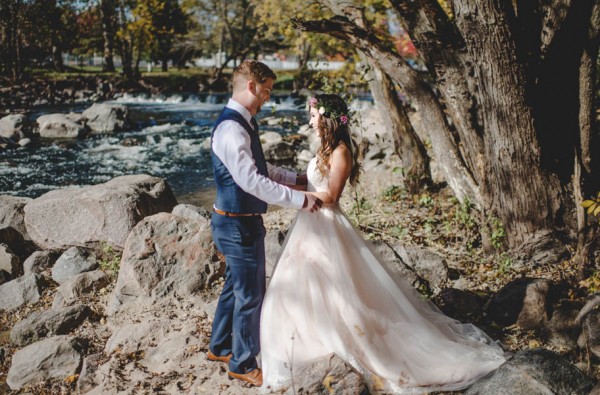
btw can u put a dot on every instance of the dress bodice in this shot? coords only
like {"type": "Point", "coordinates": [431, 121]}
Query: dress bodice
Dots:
{"type": "Point", "coordinates": [316, 181]}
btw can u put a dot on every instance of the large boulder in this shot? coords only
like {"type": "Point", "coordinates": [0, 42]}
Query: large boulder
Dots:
{"type": "Point", "coordinates": [39, 261]}
{"type": "Point", "coordinates": [165, 254]}
{"type": "Point", "coordinates": [563, 329]}
{"type": "Point", "coordinates": [9, 262]}
{"type": "Point", "coordinates": [101, 213]}
{"type": "Point", "coordinates": [74, 261]}
{"type": "Point", "coordinates": [106, 118]}
{"type": "Point", "coordinates": [55, 358]}
{"type": "Point", "coordinates": [14, 240]}
{"type": "Point", "coordinates": [25, 289]}
{"type": "Point", "coordinates": [329, 375]}
{"type": "Point", "coordinates": [70, 292]}
{"type": "Point", "coordinates": [12, 127]}
{"type": "Point", "coordinates": [12, 213]}
{"type": "Point", "coordinates": [41, 324]}
{"type": "Point", "coordinates": [523, 302]}
{"type": "Point", "coordinates": [590, 334]}
{"type": "Point", "coordinates": [534, 372]}
{"type": "Point", "coordinates": [429, 265]}
{"type": "Point", "coordinates": [62, 126]}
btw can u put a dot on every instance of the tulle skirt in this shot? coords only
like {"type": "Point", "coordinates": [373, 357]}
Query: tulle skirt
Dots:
{"type": "Point", "coordinates": [330, 293]}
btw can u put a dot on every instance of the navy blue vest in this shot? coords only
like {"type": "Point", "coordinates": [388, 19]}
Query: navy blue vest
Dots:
{"type": "Point", "coordinates": [230, 197]}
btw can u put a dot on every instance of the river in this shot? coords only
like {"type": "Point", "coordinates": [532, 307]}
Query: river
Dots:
{"type": "Point", "coordinates": [167, 139]}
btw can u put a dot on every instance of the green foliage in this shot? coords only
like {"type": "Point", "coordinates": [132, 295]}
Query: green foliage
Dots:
{"type": "Point", "coordinates": [110, 260]}
{"type": "Point", "coordinates": [463, 215]}
{"type": "Point", "coordinates": [426, 200]}
{"type": "Point", "coordinates": [504, 263]}
{"type": "Point", "coordinates": [394, 193]}
{"type": "Point", "coordinates": [498, 232]}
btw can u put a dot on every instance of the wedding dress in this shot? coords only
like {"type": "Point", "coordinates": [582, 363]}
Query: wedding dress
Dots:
{"type": "Point", "coordinates": [330, 293]}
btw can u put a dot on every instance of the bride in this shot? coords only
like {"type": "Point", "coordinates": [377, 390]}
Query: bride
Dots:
{"type": "Point", "coordinates": [330, 293]}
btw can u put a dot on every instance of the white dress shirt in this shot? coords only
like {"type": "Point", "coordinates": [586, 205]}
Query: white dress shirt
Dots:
{"type": "Point", "coordinates": [231, 144]}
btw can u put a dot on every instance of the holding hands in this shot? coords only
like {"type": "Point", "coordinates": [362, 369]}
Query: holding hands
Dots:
{"type": "Point", "coordinates": [312, 203]}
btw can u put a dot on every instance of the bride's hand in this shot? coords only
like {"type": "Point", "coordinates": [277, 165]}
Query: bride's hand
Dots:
{"type": "Point", "coordinates": [311, 203]}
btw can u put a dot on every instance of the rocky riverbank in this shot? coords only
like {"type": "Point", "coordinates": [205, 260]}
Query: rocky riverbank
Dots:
{"type": "Point", "coordinates": [111, 288]}
{"type": "Point", "coordinates": [88, 88]}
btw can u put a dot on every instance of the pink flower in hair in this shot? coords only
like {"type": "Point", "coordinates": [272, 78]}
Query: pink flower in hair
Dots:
{"type": "Point", "coordinates": [312, 101]}
{"type": "Point", "coordinates": [344, 119]}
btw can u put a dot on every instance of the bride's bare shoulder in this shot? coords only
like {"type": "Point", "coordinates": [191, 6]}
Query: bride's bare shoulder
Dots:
{"type": "Point", "coordinates": [342, 152]}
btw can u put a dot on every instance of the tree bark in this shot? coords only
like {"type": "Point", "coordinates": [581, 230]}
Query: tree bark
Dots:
{"type": "Point", "coordinates": [501, 132]}
{"type": "Point", "coordinates": [409, 147]}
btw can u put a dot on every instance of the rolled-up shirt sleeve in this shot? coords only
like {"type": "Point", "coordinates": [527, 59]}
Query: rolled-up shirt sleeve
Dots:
{"type": "Point", "coordinates": [231, 144]}
{"type": "Point", "coordinates": [281, 176]}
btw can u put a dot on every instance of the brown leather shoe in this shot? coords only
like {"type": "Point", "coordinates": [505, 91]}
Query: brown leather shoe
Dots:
{"type": "Point", "coordinates": [254, 377]}
{"type": "Point", "coordinates": [216, 358]}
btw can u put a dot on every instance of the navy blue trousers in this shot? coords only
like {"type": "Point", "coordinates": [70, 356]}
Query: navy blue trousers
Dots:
{"type": "Point", "coordinates": [236, 324]}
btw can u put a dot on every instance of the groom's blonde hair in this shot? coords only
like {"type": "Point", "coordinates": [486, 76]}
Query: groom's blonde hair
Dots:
{"type": "Point", "coordinates": [251, 70]}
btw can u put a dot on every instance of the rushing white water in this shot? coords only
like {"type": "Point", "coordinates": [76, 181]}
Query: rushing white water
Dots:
{"type": "Point", "coordinates": [167, 139]}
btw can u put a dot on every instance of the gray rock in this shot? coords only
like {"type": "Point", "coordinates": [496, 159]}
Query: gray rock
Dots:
{"type": "Point", "coordinates": [106, 118]}
{"type": "Point", "coordinates": [24, 142]}
{"type": "Point", "coordinates": [429, 265]}
{"type": "Point", "coordinates": [165, 253]}
{"type": "Point", "coordinates": [12, 127]}
{"type": "Point", "coordinates": [77, 286]}
{"type": "Point", "coordinates": [11, 213]}
{"type": "Point", "coordinates": [340, 379]}
{"type": "Point", "coordinates": [534, 372]}
{"type": "Point", "coordinates": [279, 152]}
{"type": "Point", "coordinates": [48, 323]}
{"type": "Point", "coordinates": [590, 332]}
{"type": "Point", "coordinates": [60, 126]}
{"type": "Point", "coordinates": [92, 215]}
{"type": "Point", "coordinates": [397, 268]}
{"type": "Point", "coordinates": [72, 262]}
{"type": "Point", "coordinates": [192, 212]}
{"type": "Point", "coordinates": [25, 289]}
{"type": "Point", "coordinates": [55, 358]}
{"type": "Point", "coordinates": [10, 262]}
{"type": "Point", "coordinates": [269, 138]}
{"type": "Point", "coordinates": [87, 377]}
{"type": "Point", "coordinates": [39, 261]}
{"type": "Point", "coordinates": [562, 330]}
{"type": "Point", "coordinates": [15, 241]}
{"type": "Point", "coordinates": [461, 304]}
{"type": "Point", "coordinates": [4, 277]}
{"type": "Point", "coordinates": [273, 242]}
{"type": "Point", "coordinates": [595, 390]}
{"type": "Point", "coordinates": [522, 302]}
{"type": "Point", "coordinates": [305, 156]}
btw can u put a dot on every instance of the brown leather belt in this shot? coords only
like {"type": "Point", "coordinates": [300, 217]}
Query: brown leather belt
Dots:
{"type": "Point", "coordinates": [228, 214]}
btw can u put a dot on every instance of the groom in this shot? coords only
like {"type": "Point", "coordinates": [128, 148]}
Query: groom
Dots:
{"type": "Point", "coordinates": [246, 183]}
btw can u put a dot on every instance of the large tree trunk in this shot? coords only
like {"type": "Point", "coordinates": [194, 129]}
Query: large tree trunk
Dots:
{"type": "Point", "coordinates": [407, 144]}
{"type": "Point", "coordinates": [501, 139]}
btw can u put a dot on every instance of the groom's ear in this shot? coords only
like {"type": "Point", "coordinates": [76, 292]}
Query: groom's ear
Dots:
{"type": "Point", "coordinates": [251, 86]}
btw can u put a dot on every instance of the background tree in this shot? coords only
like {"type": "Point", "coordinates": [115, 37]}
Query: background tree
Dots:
{"type": "Point", "coordinates": [508, 105]}
{"type": "Point", "coordinates": [273, 17]}
{"type": "Point", "coordinates": [108, 19]}
{"type": "Point", "coordinates": [158, 24]}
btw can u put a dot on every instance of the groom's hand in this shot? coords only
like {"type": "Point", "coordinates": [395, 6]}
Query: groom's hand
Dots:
{"type": "Point", "coordinates": [311, 203]}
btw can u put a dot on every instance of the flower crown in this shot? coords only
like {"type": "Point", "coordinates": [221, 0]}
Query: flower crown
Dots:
{"type": "Point", "coordinates": [327, 110]}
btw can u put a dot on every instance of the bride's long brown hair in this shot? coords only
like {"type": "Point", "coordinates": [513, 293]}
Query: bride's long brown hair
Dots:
{"type": "Point", "coordinates": [334, 129]}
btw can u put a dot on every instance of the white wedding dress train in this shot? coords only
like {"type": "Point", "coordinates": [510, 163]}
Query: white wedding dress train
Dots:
{"type": "Point", "coordinates": [330, 293]}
